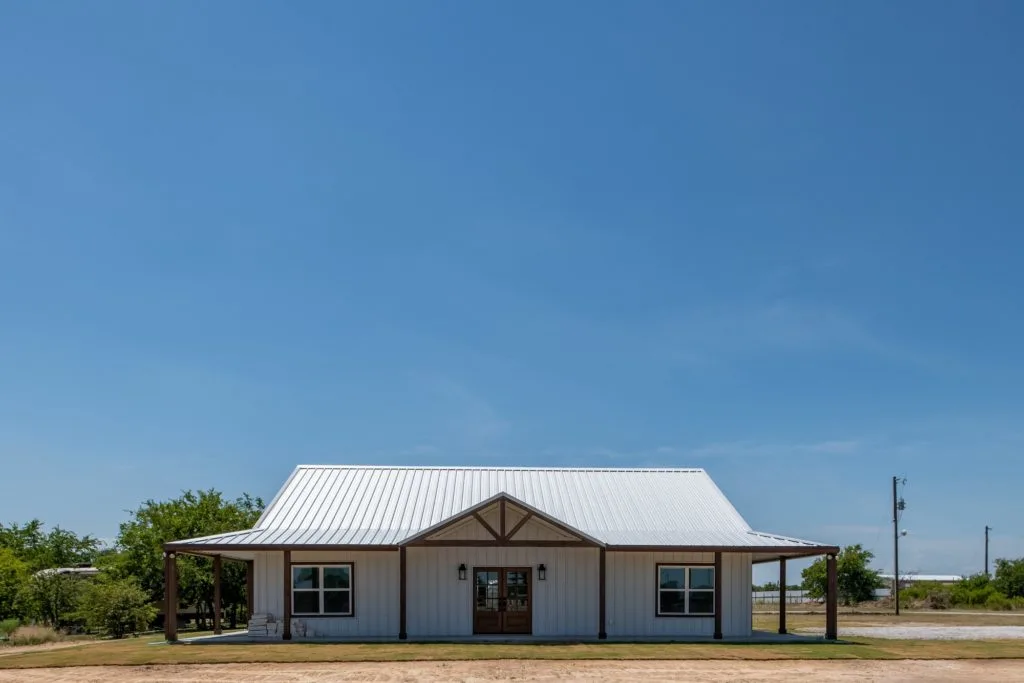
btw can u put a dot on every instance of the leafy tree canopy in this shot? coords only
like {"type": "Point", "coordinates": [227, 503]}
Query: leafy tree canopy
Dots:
{"type": "Point", "coordinates": [1009, 578]}
{"type": "Point", "coordinates": [200, 513]}
{"type": "Point", "coordinates": [856, 581]}
{"type": "Point", "coordinates": [13, 576]}
{"type": "Point", "coordinates": [40, 549]}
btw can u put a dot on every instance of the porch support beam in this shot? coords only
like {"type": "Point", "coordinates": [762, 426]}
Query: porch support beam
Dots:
{"type": "Point", "coordinates": [286, 632]}
{"type": "Point", "coordinates": [718, 596]}
{"type": "Point", "coordinates": [832, 600]}
{"type": "Point", "coordinates": [602, 579]}
{"type": "Point", "coordinates": [250, 584]}
{"type": "Point", "coordinates": [217, 630]}
{"type": "Point", "coordinates": [402, 633]}
{"type": "Point", "coordinates": [170, 597]}
{"type": "Point", "coordinates": [782, 595]}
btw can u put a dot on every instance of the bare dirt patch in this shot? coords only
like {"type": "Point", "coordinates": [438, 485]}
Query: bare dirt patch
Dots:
{"type": "Point", "coordinates": [8, 650]}
{"type": "Point", "coordinates": [505, 670]}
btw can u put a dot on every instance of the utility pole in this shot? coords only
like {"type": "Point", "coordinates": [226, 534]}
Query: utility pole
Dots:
{"type": "Point", "coordinates": [987, 529]}
{"type": "Point", "coordinates": [898, 505]}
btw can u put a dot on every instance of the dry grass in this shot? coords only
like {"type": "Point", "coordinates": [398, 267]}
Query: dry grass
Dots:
{"type": "Point", "coordinates": [150, 650]}
{"type": "Point", "coordinates": [146, 651]}
{"type": "Point", "coordinates": [32, 635]}
{"type": "Point", "coordinates": [795, 622]}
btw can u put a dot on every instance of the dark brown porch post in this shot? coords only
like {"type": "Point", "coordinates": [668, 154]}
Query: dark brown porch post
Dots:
{"type": "Point", "coordinates": [216, 594]}
{"type": "Point", "coordinates": [170, 597]}
{"type": "Point", "coordinates": [286, 633]}
{"type": "Point", "coordinates": [718, 596]}
{"type": "Point", "coordinates": [402, 634]}
{"type": "Point", "coordinates": [782, 595]}
{"type": "Point", "coordinates": [602, 577]}
{"type": "Point", "coordinates": [250, 582]}
{"type": "Point", "coordinates": [832, 601]}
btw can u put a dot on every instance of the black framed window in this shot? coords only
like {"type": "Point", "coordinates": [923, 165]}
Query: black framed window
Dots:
{"type": "Point", "coordinates": [685, 590]}
{"type": "Point", "coordinates": [322, 590]}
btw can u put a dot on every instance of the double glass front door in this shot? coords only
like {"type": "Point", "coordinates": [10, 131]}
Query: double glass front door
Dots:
{"type": "Point", "coordinates": [502, 600]}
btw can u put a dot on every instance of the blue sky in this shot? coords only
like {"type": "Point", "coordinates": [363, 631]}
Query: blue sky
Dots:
{"type": "Point", "coordinates": [781, 243]}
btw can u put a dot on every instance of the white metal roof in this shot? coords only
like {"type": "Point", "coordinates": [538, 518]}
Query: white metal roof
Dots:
{"type": "Point", "coordinates": [355, 505]}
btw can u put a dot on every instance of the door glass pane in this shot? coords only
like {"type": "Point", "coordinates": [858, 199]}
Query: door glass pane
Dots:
{"type": "Point", "coordinates": [487, 591]}
{"type": "Point", "coordinates": [337, 602]}
{"type": "Point", "coordinates": [517, 591]}
{"type": "Point", "coordinates": [336, 577]}
{"type": "Point", "coordinates": [306, 602]}
{"type": "Point", "coordinates": [305, 577]}
{"type": "Point", "coordinates": [672, 602]}
{"type": "Point", "coordinates": [702, 602]}
{"type": "Point", "coordinates": [702, 578]}
{"type": "Point", "coordinates": [671, 577]}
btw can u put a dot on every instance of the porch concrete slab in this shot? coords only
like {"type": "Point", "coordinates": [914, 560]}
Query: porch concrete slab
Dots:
{"type": "Point", "coordinates": [757, 637]}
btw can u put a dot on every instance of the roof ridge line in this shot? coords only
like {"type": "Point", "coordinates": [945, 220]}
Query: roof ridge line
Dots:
{"type": "Point", "coordinates": [475, 468]}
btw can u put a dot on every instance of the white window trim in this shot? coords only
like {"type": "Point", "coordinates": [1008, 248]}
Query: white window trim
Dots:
{"type": "Point", "coordinates": [685, 590]}
{"type": "Point", "coordinates": [321, 590]}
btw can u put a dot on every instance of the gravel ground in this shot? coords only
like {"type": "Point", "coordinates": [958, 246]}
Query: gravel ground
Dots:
{"type": "Point", "coordinates": [933, 632]}
{"type": "Point", "coordinates": [975, 671]}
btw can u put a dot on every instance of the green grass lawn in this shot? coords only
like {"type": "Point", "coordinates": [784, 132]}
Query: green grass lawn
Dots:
{"type": "Point", "coordinates": [142, 651]}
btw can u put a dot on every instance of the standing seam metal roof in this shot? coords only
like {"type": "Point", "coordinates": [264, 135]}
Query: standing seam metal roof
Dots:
{"type": "Point", "coordinates": [373, 505]}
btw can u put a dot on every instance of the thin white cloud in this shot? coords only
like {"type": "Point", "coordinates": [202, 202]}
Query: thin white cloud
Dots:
{"type": "Point", "coordinates": [756, 449]}
{"type": "Point", "coordinates": [721, 335]}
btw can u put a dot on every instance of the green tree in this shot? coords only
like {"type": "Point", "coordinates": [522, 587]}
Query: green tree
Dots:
{"type": "Point", "coordinates": [855, 580]}
{"type": "Point", "coordinates": [47, 550]}
{"type": "Point", "coordinates": [52, 598]}
{"type": "Point", "coordinates": [202, 513]}
{"type": "Point", "coordinates": [116, 607]}
{"type": "Point", "coordinates": [14, 575]}
{"type": "Point", "coordinates": [1009, 579]}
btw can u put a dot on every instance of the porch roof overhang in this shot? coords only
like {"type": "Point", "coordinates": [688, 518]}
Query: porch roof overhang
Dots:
{"type": "Point", "coordinates": [242, 544]}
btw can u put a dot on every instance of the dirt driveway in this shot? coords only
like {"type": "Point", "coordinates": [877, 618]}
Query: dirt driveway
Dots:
{"type": "Point", "coordinates": [849, 670]}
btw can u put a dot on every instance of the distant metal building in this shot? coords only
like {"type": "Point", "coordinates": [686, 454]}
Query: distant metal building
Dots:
{"type": "Point", "coordinates": [909, 578]}
{"type": "Point", "coordinates": [433, 552]}
{"type": "Point", "coordinates": [81, 570]}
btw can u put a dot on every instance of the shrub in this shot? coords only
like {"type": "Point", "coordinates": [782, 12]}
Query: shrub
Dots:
{"type": "Point", "coordinates": [34, 635]}
{"type": "Point", "coordinates": [938, 600]}
{"type": "Point", "coordinates": [998, 601]}
{"type": "Point", "coordinates": [926, 595]}
{"type": "Point", "coordinates": [1017, 602]}
{"type": "Point", "coordinates": [116, 607]}
{"type": "Point", "coordinates": [8, 626]}
{"type": "Point", "coordinates": [973, 591]}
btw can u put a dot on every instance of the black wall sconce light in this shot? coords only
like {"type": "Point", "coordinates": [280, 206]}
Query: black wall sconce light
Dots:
{"type": "Point", "coordinates": [462, 572]}
{"type": "Point", "coordinates": [542, 572]}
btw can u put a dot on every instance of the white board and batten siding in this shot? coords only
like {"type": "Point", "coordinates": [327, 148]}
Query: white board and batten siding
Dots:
{"type": "Point", "coordinates": [565, 604]}
{"type": "Point", "coordinates": [631, 594]}
{"type": "Point", "coordinates": [375, 592]}
{"type": "Point", "coordinates": [438, 604]}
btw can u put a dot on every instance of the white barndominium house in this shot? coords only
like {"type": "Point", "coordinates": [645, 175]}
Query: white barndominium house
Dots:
{"type": "Point", "coordinates": [432, 553]}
